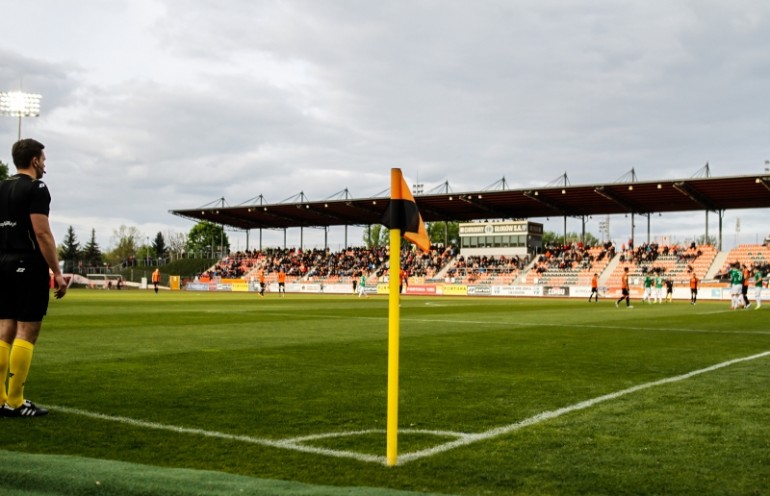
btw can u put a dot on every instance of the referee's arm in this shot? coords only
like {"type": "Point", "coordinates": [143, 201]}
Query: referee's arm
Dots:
{"type": "Point", "coordinates": [48, 249]}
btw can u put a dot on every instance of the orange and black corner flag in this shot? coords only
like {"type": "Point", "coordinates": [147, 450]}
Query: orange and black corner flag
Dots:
{"type": "Point", "coordinates": [402, 213]}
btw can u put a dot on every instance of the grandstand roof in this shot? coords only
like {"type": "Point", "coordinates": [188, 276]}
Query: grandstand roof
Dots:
{"type": "Point", "coordinates": [682, 195]}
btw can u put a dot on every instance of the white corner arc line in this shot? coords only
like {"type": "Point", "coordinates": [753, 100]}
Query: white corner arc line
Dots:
{"type": "Point", "coordinates": [461, 438]}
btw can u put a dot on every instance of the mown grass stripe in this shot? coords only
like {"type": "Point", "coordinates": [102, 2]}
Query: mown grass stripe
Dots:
{"type": "Point", "coordinates": [463, 439]}
{"type": "Point", "coordinates": [541, 417]}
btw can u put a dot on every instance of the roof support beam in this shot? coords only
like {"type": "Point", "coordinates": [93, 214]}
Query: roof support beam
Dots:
{"type": "Point", "coordinates": [603, 192]}
{"type": "Point", "coordinates": [358, 208]}
{"type": "Point", "coordinates": [536, 197]}
{"type": "Point", "coordinates": [684, 188]}
{"type": "Point", "coordinates": [764, 181]}
{"type": "Point", "coordinates": [481, 205]}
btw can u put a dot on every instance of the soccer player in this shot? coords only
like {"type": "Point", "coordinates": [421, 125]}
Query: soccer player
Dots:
{"type": "Point", "coordinates": [745, 288]}
{"type": "Point", "coordinates": [669, 290]}
{"type": "Point", "coordinates": [658, 288]}
{"type": "Point", "coordinates": [27, 253]}
{"type": "Point", "coordinates": [624, 291]}
{"type": "Point", "coordinates": [693, 288]}
{"type": "Point", "coordinates": [758, 283]}
{"type": "Point", "coordinates": [736, 286]}
{"type": "Point", "coordinates": [155, 279]}
{"type": "Point", "coordinates": [647, 297]}
{"type": "Point", "coordinates": [362, 285]}
{"type": "Point", "coordinates": [594, 288]}
{"type": "Point", "coordinates": [261, 277]}
{"type": "Point", "coordinates": [281, 282]}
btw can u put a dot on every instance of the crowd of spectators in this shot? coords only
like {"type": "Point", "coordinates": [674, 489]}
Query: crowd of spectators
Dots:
{"type": "Point", "coordinates": [323, 264]}
{"type": "Point", "coordinates": [649, 252]}
{"type": "Point", "coordinates": [473, 266]}
{"type": "Point", "coordinates": [320, 264]}
{"type": "Point", "coordinates": [230, 267]}
{"type": "Point", "coordinates": [572, 256]}
{"type": "Point", "coordinates": [427, 265]}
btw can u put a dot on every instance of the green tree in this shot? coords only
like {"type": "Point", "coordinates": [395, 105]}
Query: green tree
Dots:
{"type": "Point", "coordinates": [126, 241]}
{"type": "Point", "coordinates": [92, 254]}
{"type": "Point", "coordinates": [376, 235]}
{"type": "Point", "coordinates": [707, 240]}
{"type": "Point", "coordinates": [159, 246]}
{"type": "Point", "coordinates": [588, 240]}
{"type": "Point", "coordinates": [552, 238]}
{"type": "Point", "coordinates": [177, 242]}
{"type": "Point", "coordinates": [3, 171]}
{"type": "Point", "coordinates": [207, 238]}
{"type": "Point", "coordinates": [447, 233]}
{"type": "Point", "coordinates": [69, 252]}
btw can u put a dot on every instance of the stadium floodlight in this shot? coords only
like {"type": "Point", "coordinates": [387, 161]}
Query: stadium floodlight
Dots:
{"type": "Point", "coordinates": [20, 104]}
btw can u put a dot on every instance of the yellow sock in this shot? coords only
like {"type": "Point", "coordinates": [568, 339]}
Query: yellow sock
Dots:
{"type": "Point", "coordinates": [5, 351]}
{"type": "Point", "coordinates": [20, 360]}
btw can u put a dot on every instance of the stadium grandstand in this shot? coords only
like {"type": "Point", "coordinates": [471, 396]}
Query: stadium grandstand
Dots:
{"type": "Point", "coordinates": [512, 261]}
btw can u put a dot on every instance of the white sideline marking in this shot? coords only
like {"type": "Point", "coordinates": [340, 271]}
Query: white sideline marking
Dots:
{"type": "Point", "coordinates": [461, 438]}
{"type": "Point", "coordinates": [291, 444]}
{"type": "Point", "coordinates": [499, 431]}
{"type": "Point", "coordinates": [586, 326]}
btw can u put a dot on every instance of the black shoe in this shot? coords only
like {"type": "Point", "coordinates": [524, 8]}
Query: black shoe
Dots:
{"type": "Point", "coordinates": [27, 409]}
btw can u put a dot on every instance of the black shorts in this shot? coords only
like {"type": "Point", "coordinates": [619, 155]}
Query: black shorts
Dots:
{"type": "Point", "coordinates": [624, 292]}
{"type": "Point", "coordinates": [24, 293]}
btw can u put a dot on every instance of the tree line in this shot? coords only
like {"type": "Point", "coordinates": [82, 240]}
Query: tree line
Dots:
{"type": "Point", "coordinates": [131, 248]}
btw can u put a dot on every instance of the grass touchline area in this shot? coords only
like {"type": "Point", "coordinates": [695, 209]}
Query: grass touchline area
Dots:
{"type": "Point", "coordinates": [463, 439]}
{"type": "Point", "coordinates": [295, 389]}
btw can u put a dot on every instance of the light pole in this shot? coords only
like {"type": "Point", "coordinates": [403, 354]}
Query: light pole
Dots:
{"type": "Point", "coordinates": [20, 104]}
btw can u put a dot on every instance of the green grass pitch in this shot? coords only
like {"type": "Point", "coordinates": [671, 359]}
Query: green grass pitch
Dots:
{"type": "Point", "coordinates": [495, 396]}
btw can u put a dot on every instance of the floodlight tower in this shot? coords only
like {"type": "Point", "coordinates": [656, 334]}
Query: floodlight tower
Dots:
{"type": "Point", "coordinates": [20, 104]}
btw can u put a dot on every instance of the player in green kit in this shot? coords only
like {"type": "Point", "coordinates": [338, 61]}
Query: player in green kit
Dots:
{"type": "Point", "coordinates": [362, 286]}
{"type": "Point", "coordinates": [647, 298]}
{"type": "Point", "coordinates": [758, 284]}
{"type": "Point", "coordinates": [736, 286]}
{"type": "Point", "coordinates": [658, 288]}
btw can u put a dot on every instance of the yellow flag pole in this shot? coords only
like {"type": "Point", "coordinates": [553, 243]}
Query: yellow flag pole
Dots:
{"type": "Point", "coordinates": [394, 318]}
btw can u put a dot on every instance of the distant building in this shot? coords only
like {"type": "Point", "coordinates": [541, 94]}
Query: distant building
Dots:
{"type": "Point", "coordinates": [501, 238]}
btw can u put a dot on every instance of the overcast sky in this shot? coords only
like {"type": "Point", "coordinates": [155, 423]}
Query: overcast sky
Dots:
{"type": "Point", "coordinates": [154, 105]}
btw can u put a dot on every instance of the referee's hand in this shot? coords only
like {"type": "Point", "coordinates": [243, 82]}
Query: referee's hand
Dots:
{"type": "Point", "coordinates": [60, 286]}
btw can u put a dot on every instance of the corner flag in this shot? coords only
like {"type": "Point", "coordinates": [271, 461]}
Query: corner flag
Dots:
{"type": "Point", "coordinates": [402, 213]}
{"type": "Point", "coordinates": [402, 218]}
